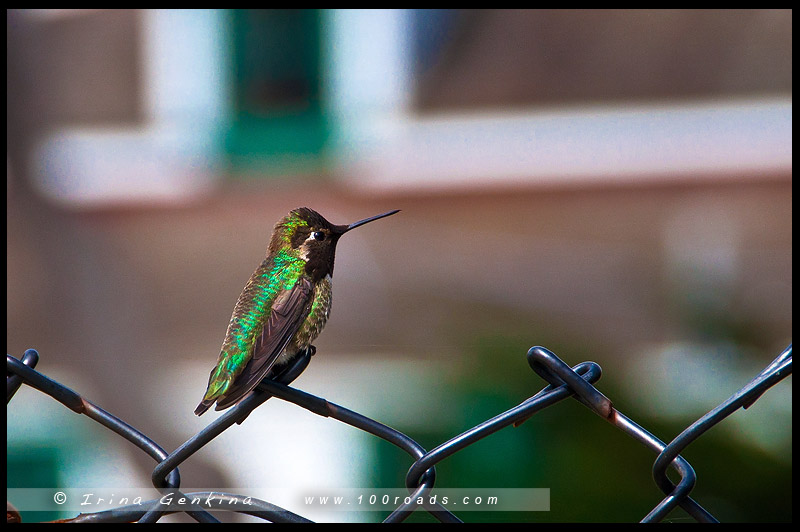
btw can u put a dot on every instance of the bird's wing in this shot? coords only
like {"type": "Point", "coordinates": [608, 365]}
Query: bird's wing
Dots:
{"type": "Point", "coordinates": [288, 313]}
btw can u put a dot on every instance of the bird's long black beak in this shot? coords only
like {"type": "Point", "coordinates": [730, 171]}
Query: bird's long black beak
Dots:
{"type": "Point", "coordinates": [345, 228]}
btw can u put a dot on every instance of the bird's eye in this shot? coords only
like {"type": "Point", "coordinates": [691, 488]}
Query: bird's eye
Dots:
{"type": "Point", "coordinates": [318, 235]}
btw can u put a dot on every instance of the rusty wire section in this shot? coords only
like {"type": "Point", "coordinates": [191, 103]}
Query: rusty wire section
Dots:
{"type": "Point", "coordinates": [564, 382]}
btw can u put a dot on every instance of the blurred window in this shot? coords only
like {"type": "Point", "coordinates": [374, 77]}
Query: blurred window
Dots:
{"type": "Point", "coordinates": [276, 63]}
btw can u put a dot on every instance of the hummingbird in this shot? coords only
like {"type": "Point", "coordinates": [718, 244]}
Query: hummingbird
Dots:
{"type": "Point", "coordinates": [283, 307]}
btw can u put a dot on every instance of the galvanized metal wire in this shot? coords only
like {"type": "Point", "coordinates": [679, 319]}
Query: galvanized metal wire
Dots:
{"type": "Point", "coordinates": [563, 382]}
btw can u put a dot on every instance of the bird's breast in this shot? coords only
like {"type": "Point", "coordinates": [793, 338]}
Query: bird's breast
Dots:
{"type": "Point", "coordinates": [317, 316]}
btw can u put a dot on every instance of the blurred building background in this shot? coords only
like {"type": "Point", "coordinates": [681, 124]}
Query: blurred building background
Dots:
{"type": "Point", "coordinates": [613, 185]}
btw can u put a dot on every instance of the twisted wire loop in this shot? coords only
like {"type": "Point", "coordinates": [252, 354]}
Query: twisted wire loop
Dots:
{"type": "Point", "coordinates": [563, 382]}
{"type": "Point", "coordinates": [777, 370]}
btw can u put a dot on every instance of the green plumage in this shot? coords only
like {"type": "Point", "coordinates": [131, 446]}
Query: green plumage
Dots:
{"type": "Point", "coordinates": [275, 276]}
{"type": "Point", "coordinates": [282, 309]}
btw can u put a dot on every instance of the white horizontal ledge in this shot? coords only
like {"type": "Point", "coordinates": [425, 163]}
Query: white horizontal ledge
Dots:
{"type": "Point", "coordinates": [112, 167]}
{"type": "Point", "coordinates": [577, 146]}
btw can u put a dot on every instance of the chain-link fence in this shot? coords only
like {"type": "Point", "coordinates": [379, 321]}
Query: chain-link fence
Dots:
{"type": "Point", "coordinates": [564, 382]}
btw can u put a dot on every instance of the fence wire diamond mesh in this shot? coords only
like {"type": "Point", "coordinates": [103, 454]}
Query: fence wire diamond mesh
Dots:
{"type": "Point", "coordinates": [563, 382]}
